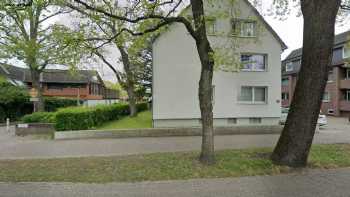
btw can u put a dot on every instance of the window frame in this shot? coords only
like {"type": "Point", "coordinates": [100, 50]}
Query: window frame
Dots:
{"type": "Point", "coordinates": [328, 99]}
{"type": "Point", "coordinates": [265, 56]}
{"type": "Point", "coordinates": [211, 22]}
{"type": "Point", "coordinates": [236, 27]}
{"type": "Point", "coordinates": [292, 66]}
{"type": "Point", "coordinates": [347, 73]}
{"type": "Point", "coordinates": [344, 48]}
{"type": "Point", "coordinates": [347, 95]}
{"type": "Point", "coordinates": [285, 98]}
{"type": "Point", "coordinates": [253, 102]}
{"type": "Point", "coordinates": [285, 79]}
{"type": "Point", "coordinates": [330, 72]}
{"type": "Point", "coordinates": [255, 120]}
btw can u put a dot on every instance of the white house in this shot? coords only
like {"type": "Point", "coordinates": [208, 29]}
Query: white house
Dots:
{"type": "Point", "coordinates": [250, 95]}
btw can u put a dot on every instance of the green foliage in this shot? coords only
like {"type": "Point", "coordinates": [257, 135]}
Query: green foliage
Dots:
{"type": "Point", "coordinates": [40, 117]}
{"type": "Point", "coordinates": [52, 103]}
{"type": "Point", "coordinates": [82, 118]}
{"type": "Point", "coordinates": [13, 101]}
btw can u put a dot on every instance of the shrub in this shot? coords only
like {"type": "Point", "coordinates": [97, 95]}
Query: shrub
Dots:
{"type": "Point", "coordinates": [82, 118]}
{"type": "Point", "coordinates": [40, 117]}
{"type": "Point", "coordinates": [52, 104]}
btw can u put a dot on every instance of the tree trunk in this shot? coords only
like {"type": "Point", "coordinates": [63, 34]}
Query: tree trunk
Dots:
{"type": "Point", "coordinates": [296, 139]}
{"type": "Point", "coordinates": [205, 83]}
{"type": "Point", "coordinates": [130, 81]}
{"type": "Point", "coordinates": [39, 105]}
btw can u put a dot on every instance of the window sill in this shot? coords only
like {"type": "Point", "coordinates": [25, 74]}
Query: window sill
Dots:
{"type": "Point", "coordinates": [251, 103]}
{"type": "Point", "coordinates": [326, 101]}
{"type": "Point", "coordinates": [242, 70]}
{"type": "Point", "coordinates": [239, 36]}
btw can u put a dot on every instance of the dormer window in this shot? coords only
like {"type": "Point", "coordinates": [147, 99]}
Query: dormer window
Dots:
{"type": "Point", "coordinates": [289, 66]}
{"type": "Point", "coordinates": [244, 28]}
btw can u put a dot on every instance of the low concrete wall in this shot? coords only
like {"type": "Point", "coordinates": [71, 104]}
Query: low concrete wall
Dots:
{"type": "Point", "coordinates": [165, 132]}
{"type": "Point", "coordinates": [34, 128]}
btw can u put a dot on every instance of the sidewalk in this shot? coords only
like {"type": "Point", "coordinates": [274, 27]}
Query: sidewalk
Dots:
{"type": "Point", "coordinates": [25, 148]}
{"type": "Point", "coordinates": [315, 183]}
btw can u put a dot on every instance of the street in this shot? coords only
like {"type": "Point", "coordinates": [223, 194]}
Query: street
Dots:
{"type": "Point", "coordinates": [11, 147]}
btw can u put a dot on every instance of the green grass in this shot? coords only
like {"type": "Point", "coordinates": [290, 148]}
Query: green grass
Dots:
{"type": "Point", "coordinates": [163, 166]}
{"type": "Point", "coordinates": [141, 121]}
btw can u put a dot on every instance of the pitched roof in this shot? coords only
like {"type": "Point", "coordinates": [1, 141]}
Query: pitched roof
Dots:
{"type": "Point", "coordinates": [52, 75]}
{"type": "Point", "coordinates": [338, 40]}
{"type": "Point", "coordinates": [283, 45]}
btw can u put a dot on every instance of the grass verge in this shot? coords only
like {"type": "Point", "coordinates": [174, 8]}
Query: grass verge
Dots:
{"type": "Point", "coordinates": [162, 166]}
{"type": "Point", "coordinates": [141, 121]}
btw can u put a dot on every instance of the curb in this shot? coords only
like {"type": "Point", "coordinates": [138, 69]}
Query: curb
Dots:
{"type": "Point", "coordinates": [164, 132]}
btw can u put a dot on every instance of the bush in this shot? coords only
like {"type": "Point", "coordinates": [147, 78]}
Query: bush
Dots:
{"type": "Point", "coordinates": [52, 104]}
{"type": "Point", "coordinates": [82, 118]}
{"type": "Point", "coordinates": [40, 117]}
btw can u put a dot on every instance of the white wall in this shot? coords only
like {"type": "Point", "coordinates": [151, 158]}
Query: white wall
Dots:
{"type": "Point", "coordinates": [176, 72]}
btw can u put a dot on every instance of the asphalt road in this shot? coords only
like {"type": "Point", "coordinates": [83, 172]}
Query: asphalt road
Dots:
{"type": "Point", "coordinates": [12, 147]}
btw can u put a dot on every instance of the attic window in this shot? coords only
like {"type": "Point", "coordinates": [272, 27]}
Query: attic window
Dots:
{"type": "Point", "coordinates": [244, 28]}
{"type": "Point", "coordinates": [211, 26]}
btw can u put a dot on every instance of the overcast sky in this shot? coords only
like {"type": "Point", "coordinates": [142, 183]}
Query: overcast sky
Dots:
{"type": "Point", "coordinates": [290, 30]}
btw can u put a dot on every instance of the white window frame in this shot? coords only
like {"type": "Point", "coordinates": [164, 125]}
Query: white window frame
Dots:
{"type": "Point", "coordinates": [289, 66]}
{"type": "Point", "coordinates": [239, 23]}
{"type": "Point", "coordinates": [287, 79]}
{"type": "Point", "coordinates": [213, 94]}
{"type": "Point", "coordinates": [255, 120]}
{"type": "Point", "coordinates": [347, 96]}
{"type": "Point", "coordinates": [344, 48]}
{"type": "Point", "coordinates": [348, 73]}
{"type": "Point", "coordinates": [211, 24]}
{"type": "Point", "coordinates": [254, 69]}
{"type": "Point", "coordinates": [327, 100]}
{"type": "Point", "coordinates": [330, 73]}
{"type": "Point", "coordinates": [253, 96]}
{"type": "Point", "coordinates": [285, 93]}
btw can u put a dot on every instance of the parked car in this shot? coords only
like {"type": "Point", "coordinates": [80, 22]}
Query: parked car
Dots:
{"type": "Point", "coordinates": [322, 119]}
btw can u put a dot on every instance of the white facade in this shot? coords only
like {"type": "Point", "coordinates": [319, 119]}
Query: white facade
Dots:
{"type": "Point", "coordinates": [176, 73]}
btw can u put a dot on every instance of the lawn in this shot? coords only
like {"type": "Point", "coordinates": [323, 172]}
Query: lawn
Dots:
{"type": "Point", "coordinates": [141, 121]}
{"type": "Point", "coordinates": [162, 166]}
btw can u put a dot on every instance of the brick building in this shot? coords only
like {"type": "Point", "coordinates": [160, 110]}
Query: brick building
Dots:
{"type": "Point", "coordinates": [85, 84]}
{"type": "Point", "coordinates": [336, 99]}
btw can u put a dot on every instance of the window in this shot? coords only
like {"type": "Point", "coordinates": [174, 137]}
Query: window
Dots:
{"type": "Point", "coordinates": [285, 81]}
{"type": "Point", "coordinates": [211, 26]}
{"type": "Point", "coordinates": [253, 62]}
{"type": "Point", "coordinates": [55, 86]}
{"type": "Point", "coordinates": [255, 120]}
{"type": "Point", "coordinates": [347, 95]}
{"type": "Point", "coordinates": [255, 95]}
{"type": "Point", "coordinates": [330, 76]}
{"type": "Point", "coordinates": [289, 66]}
{"type": "Point", "coordinates": [285, 96]}
{"type": "Point", "coordinates": [244, 28]}
{"type": "Point", "coordinates": [346, 52]}
{"type": "Point", "coordinates": [213, 95]}
{"type": "Point", "coordinates": [348, 73]}
{"type": "Point", "coordinates": [232, 121]}
{"type": "Point", "coordinates": [326, 97]}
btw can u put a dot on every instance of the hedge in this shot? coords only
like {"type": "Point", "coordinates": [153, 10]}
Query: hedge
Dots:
{"type": "Point", "coordinates": [42, 117]}
{"type": "Point", "coordinates": [52, 103]}
{"type": "Point", "coordinates": [82, 118]}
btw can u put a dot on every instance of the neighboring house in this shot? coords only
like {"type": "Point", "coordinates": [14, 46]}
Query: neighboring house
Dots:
{"type": "Point", "coordinates": [249, 96]}
{"type": "Point", "coordinates": [336, 99]}
{"type": "Point", "coordinates": [85, 84]}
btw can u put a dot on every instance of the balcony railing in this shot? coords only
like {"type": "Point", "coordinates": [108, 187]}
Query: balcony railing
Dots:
{"type": "Point", "coordinates": [345, 84]}
{"type": "Point", "coordinates": [344, 105]}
